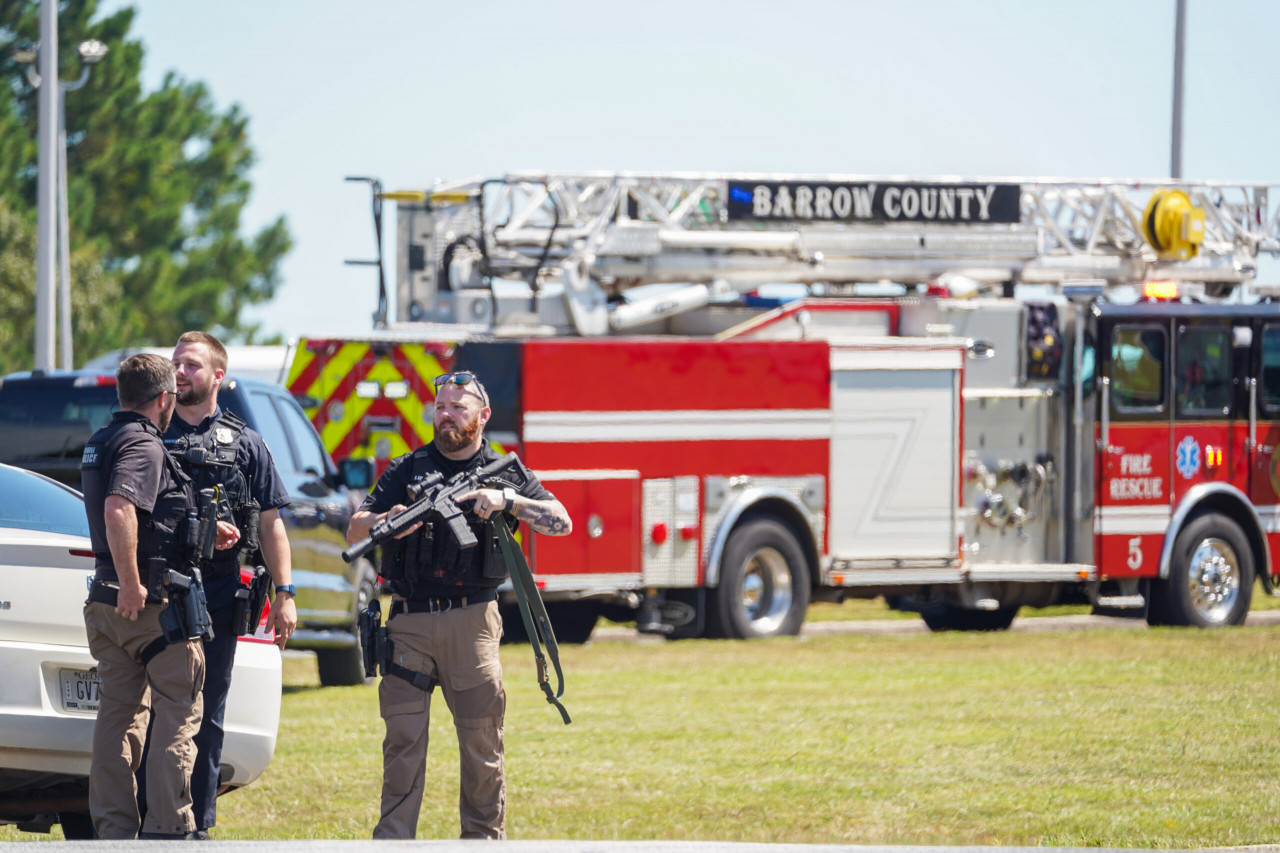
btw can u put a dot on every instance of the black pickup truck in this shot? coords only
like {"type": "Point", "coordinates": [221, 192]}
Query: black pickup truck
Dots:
{"type": "Point", "coordinates": [45, 420]}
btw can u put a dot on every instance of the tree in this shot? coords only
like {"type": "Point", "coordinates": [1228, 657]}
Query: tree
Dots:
{"type": "Point", "coordinates": [157, 183]}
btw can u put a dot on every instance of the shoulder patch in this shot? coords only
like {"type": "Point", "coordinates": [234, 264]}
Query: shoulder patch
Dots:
{"type": "Point", "coordinates": [92, 456]}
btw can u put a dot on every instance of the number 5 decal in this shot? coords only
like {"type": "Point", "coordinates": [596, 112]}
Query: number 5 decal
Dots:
{"type": "Point", "coordinates": [1135, 553]}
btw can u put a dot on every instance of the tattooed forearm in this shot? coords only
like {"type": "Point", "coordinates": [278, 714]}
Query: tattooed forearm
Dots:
{"type": "Point", "coordinates": [546, 517]}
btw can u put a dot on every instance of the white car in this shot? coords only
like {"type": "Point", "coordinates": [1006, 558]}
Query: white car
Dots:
{"type": "Point", "coordinates": [49, 681]}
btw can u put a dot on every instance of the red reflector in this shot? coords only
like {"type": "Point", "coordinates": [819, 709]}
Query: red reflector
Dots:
{"type": "Point", "coordinates": [688, 532]}
{"type": "Point", "coordinates": [659, 533]}
{"type": "Point", "coordinates": [78, 552]}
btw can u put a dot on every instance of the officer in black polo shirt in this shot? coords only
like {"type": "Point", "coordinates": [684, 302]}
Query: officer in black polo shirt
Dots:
{"type": "Point", "coordinates": [136, 500]}
{"type": "Point", "coordinates": [444, 621]}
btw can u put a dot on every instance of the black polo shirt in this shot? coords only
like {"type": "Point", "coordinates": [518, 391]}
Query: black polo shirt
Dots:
{"type": "Point", "coordinates": [126, 458]}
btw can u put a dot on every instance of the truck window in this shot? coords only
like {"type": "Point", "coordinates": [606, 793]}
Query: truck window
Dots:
{"type": "Point", "coordinates": [1269, 380]}
{"type": "Point", "coordinates": [1137, 368]}
{"type": "Point", "coordinates": [1203, 374]}
{"type": "Point", "coordinates": [311, 453]}
{"type": "Point", "coordinates": [272, 430]}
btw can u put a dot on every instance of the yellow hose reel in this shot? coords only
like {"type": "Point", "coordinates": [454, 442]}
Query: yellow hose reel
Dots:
{"type": "Point", "coordinates": [1173, 225]}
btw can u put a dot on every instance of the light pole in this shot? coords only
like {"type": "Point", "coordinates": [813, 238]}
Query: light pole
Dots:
{"type": "Point", "coordinates": [51, 189]}
{"type": "Point", "coordinates": [1179, 55]}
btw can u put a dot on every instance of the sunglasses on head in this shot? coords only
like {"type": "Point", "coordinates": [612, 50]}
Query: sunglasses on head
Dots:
{"type": "Point", "coordinates": [463, 379]}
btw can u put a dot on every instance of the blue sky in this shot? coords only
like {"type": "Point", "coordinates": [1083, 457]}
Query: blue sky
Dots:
{"type": "Point", "coordinates": [411, 90]}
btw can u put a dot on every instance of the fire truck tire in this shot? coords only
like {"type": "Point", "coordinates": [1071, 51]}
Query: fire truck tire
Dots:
{"type": "Point", "coordinates": [947, 617]}
{"type": "Point", "coordinates": [1211, 575]}
{"type": "Point", "coordinates": [764, 584]}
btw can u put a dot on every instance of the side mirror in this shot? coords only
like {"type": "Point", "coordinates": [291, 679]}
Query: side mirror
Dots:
{"type": "Point", "coordinates": [356, 473]}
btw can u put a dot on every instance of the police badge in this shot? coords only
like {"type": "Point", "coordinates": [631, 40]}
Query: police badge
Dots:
{"type": "Point", "coordinates": [223, 435]}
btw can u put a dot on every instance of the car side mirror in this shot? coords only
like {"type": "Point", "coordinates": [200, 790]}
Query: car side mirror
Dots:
{"type": "Point", "coordinates": [356, 473]}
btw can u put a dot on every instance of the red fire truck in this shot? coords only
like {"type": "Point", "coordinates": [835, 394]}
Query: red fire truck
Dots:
{"type": "Point", "coordinates": [988, 395]}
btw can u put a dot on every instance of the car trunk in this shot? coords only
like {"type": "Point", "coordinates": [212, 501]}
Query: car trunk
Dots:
{"type": "Point", "coordinates": [33, 572]}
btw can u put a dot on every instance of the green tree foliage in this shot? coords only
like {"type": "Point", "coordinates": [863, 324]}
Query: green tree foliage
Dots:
{"type": "Point", "coordinates": [157, 182]}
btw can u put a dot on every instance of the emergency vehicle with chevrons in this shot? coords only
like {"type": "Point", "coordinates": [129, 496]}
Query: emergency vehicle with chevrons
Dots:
{"type": "Point", "coordinates": [992, 393]}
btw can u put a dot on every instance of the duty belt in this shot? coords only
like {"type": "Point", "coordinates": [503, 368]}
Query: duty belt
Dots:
{"type": "Point", "coordinates": [102, 593]}
{"type": "Point", "coordinates": [442, 604]}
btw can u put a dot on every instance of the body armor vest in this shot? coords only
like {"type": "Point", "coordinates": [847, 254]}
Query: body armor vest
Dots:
{"type": "Point", "coordinates": [160, 532]}
{"type": "Point", "coordinates": [209, 459]}
{"type": "Point", "coordinates": [430, 559]}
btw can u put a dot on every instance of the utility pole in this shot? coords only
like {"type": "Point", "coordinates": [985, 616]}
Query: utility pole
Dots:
{"type": "Point", "coordinates": [1179, 55]}
{"type": "Point", "coordinates": [47, 187]}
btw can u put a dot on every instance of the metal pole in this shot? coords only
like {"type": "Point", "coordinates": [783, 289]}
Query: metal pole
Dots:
{"type": "Point", "coordinates": [64, 239]}
{"type": "Point", "coordinates": [46, 185]}
{"type": "Point", "coordinates": [1179, 53]}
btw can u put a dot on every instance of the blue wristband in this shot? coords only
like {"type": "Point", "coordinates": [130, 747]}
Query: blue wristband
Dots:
{"type": "Point", "coordinates": [289, 588]}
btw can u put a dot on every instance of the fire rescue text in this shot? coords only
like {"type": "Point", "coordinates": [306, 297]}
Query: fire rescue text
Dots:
{"type": "Point", "coordinates": [1140, 487]}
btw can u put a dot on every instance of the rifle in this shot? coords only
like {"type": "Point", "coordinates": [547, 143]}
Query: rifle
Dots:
{"type": "Point", "coordinates": [432, 496]}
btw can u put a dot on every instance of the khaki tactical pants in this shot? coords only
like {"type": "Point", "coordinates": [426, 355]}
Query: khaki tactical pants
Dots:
{"type": "Point", "coordinates": [174, 678]}
{"type": "Point", "coordinates": [459, 648]}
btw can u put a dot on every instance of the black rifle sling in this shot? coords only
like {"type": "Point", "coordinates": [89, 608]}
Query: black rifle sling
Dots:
{"type": "Point", "coordinates": [534, 613]}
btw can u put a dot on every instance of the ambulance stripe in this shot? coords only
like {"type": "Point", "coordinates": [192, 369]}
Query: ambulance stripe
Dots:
{"type": "Point", "coordinates": [693, 425]}
{"type": "Point", "coordinates": [303, 370]}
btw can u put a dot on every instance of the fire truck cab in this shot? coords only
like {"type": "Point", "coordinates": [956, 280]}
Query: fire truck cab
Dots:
{"type": "Point", "coordinates": [992, 395]}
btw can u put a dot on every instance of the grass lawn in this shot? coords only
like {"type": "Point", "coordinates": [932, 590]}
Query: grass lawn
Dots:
{"type": "Point", "coordinates": [1160, 738]}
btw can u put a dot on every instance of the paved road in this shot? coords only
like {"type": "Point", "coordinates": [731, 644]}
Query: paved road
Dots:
{"type": "Point", "coordinates": [917, 626]}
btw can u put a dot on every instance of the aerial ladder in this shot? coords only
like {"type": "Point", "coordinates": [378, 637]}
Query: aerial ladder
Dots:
{"type": "Point", "coordinates": [581, 241]}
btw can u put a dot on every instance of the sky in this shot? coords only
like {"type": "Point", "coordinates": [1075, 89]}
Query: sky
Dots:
{"type": "Point", "coordinates": [410, 91]}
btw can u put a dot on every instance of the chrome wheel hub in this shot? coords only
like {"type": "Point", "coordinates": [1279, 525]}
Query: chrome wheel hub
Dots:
{"type": "Point", "coordinates": [1214, 580]}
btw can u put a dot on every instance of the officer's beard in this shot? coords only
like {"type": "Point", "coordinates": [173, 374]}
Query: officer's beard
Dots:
{"type": "Point", "coordinates": [165, 417]}
{"type": "Point", "coordinates": [459, 437]}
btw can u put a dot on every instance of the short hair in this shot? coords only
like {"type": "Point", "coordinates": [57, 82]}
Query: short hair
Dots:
{"type": "Point", "coordinates": [142, 378]}
{"type": "Point", "coordinates": [216, 349]}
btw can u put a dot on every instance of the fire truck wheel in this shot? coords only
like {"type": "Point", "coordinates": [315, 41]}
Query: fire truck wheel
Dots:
{"type": "Point", "coordinates": [1210, 581]}
{"type": "Point", "coordinates": [948, 617]}
{"type": "Point", "coordinates": [764, 584]}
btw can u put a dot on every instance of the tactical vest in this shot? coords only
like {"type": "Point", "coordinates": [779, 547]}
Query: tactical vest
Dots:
{"type": "Point", "coordinates": [161, 531]}
{"type": "Point", "coordinates": [430, 559]}
{"type": "Point", "coordinates": [209, 458]}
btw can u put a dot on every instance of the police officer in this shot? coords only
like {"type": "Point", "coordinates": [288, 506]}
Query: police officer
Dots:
{"type": "Point", "coordinates": [135, 499]}
{"type": "Point", "coordinates": [214, 447]}
{"type": "Point", "coordinates": [444, 623]}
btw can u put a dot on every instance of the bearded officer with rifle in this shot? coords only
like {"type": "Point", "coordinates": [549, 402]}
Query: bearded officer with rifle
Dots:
{"type": "Point", "coordinates": [443, 627]}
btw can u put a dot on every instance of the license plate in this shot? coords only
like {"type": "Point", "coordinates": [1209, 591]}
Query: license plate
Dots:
{"type": "Point", "coordinates": [80, 689]}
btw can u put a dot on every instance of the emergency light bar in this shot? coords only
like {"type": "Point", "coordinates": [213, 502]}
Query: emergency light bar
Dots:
{"type": "Point", "coordinates": [1163, 289]}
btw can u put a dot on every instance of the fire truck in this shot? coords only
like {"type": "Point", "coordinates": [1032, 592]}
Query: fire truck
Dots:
{"type": "Point", "coordinates": [756, 391]}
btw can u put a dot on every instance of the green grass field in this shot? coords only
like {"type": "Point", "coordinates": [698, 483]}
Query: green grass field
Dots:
{"type": "Point", "coordinates": [1127, 738]}
{"type": "Point", "coordinates": [1161, 738]}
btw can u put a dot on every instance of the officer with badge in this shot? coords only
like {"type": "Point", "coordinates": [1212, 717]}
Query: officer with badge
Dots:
{"type": "Point", "coordinates": [444, 626]}
{"type": "Point", "coordinates": [136, 500]}
{"type": "Point", "coordinates": [214, 447]}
